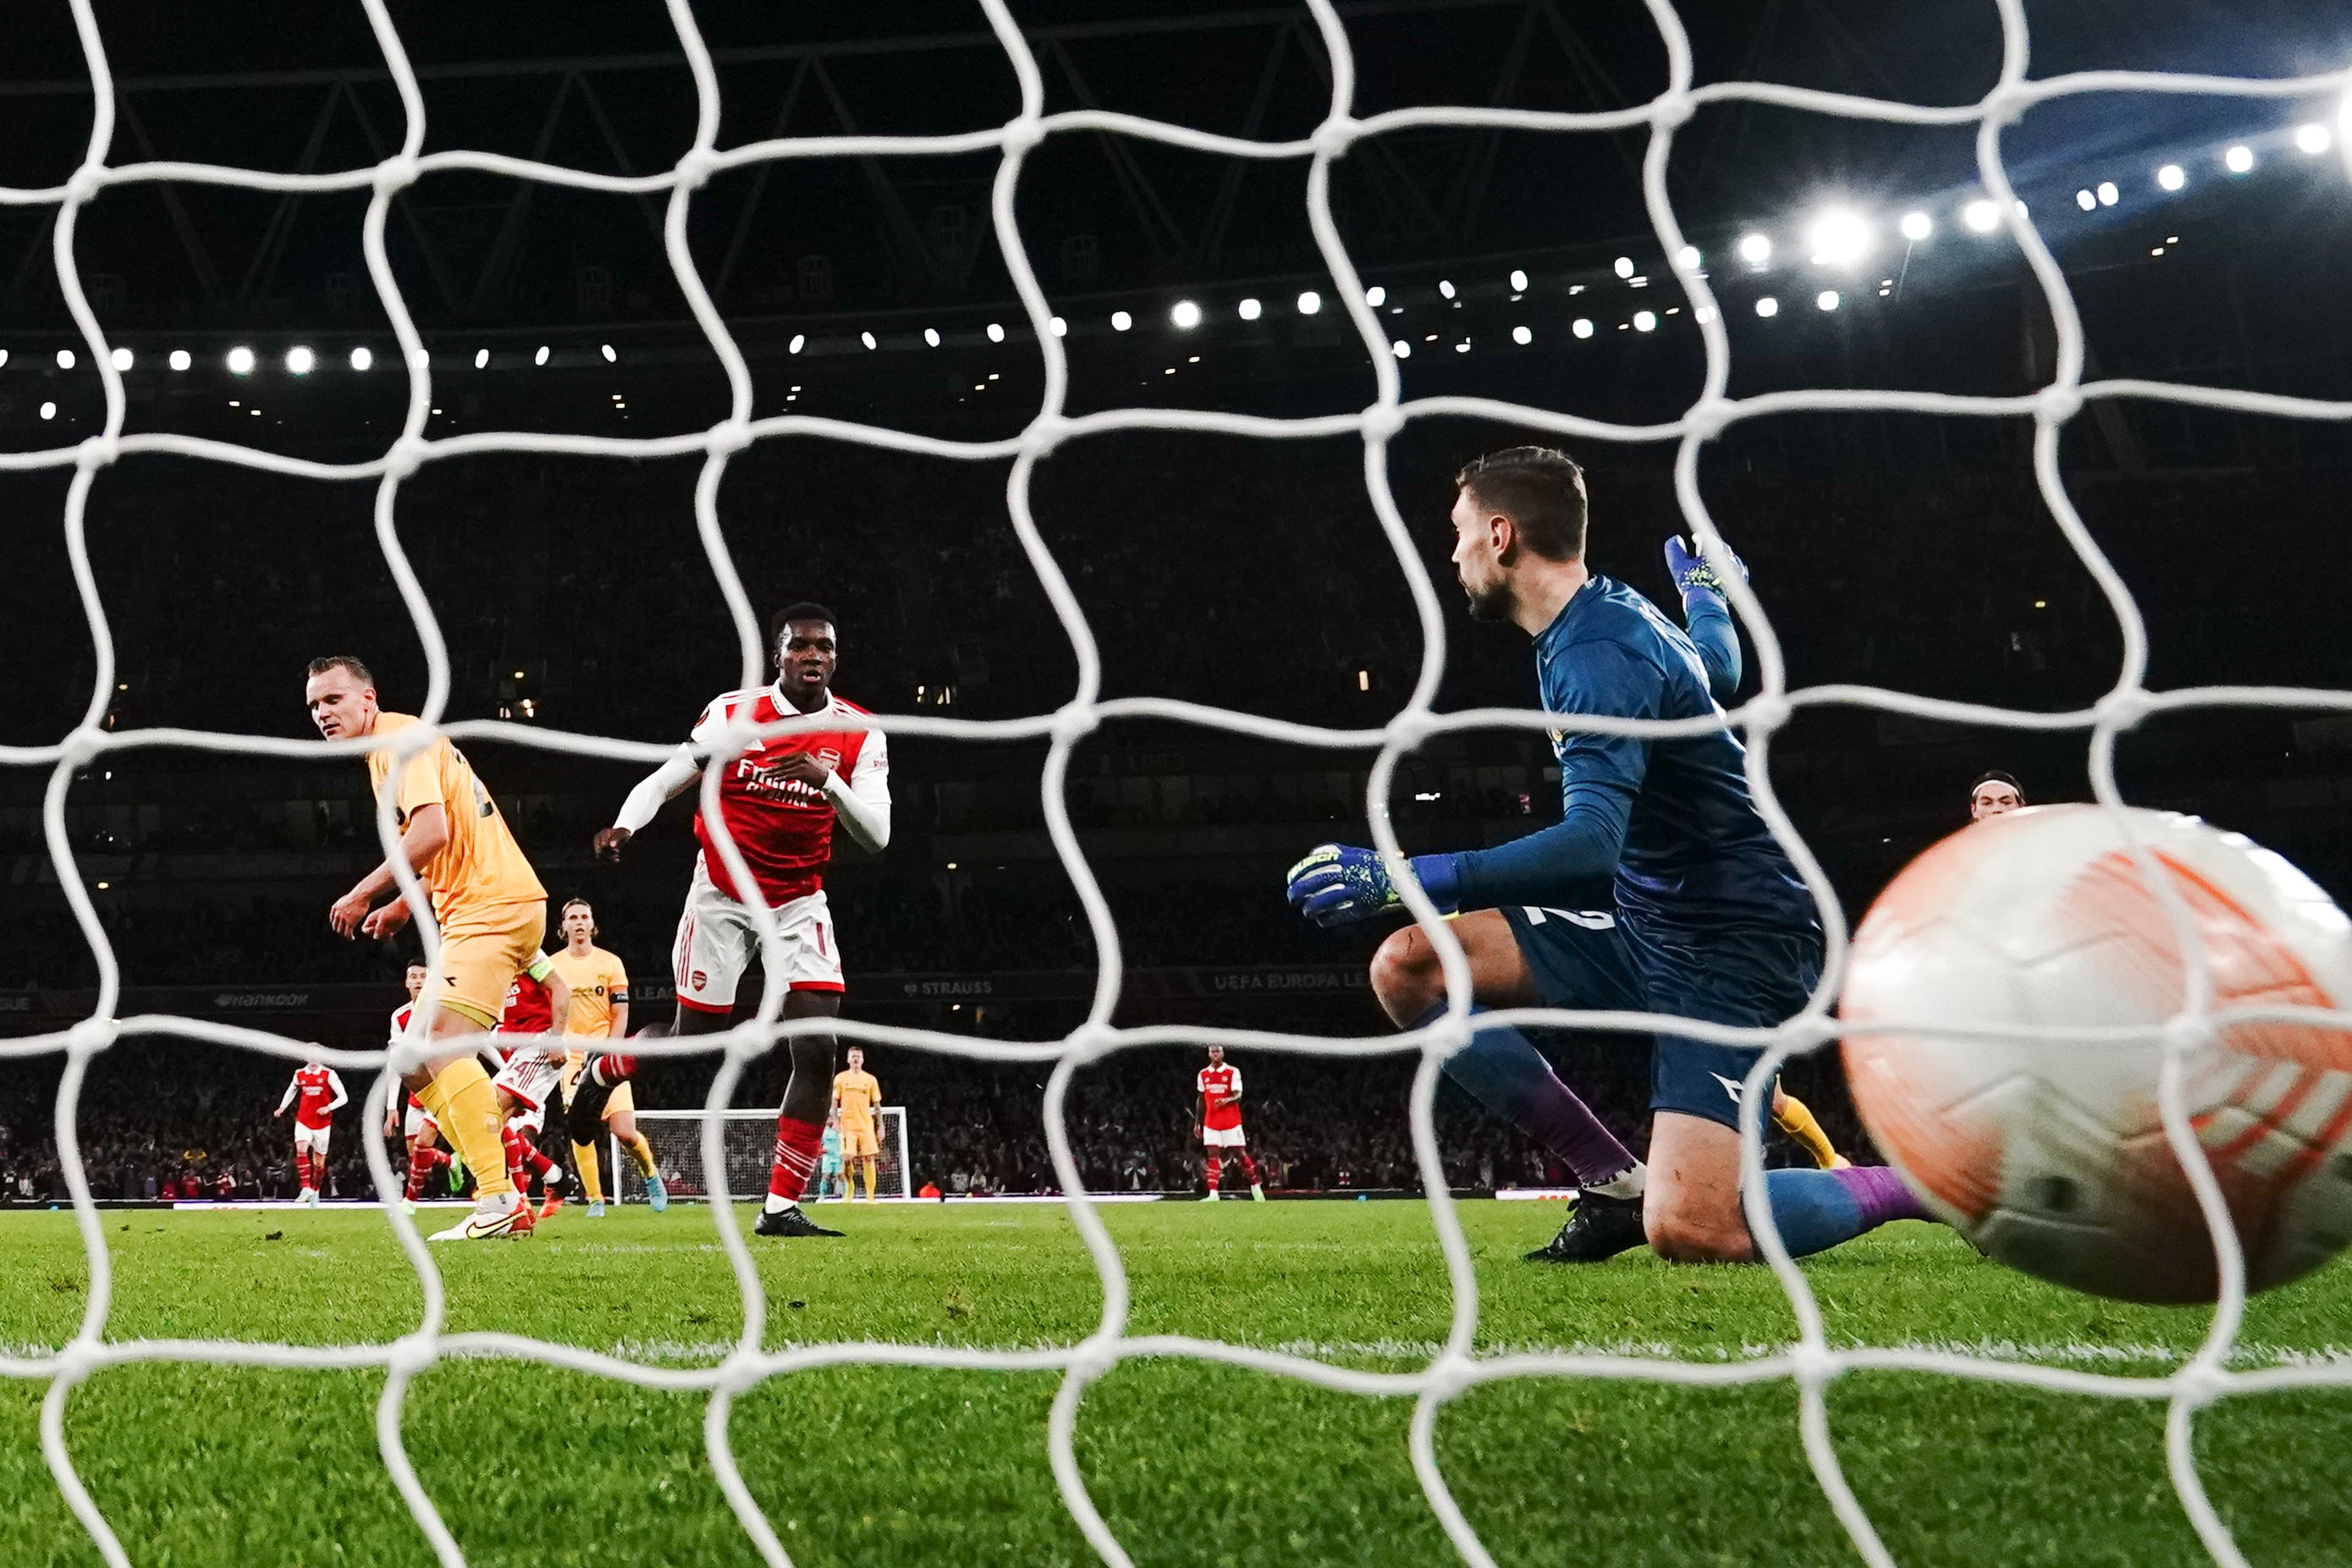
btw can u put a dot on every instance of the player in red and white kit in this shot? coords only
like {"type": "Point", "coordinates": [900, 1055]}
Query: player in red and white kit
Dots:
{"type": "Point", "coordinates": [529, 1075]}
{"type": "Point", "coordinates": [1219, 1123]}
{"type": "Point", "coordinates": [417, 1126]}
{"type": "Point", "coordinates": [779, 801]}
{"type": "Point", "coordinates": [314, 1094]}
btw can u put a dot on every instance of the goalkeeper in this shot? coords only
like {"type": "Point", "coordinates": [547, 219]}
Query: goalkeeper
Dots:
{"type": "Point", "coordinates": [1706, 917]}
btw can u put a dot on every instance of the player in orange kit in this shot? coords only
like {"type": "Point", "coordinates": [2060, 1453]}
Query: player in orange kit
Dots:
{"type": "Point", "coordinates": [487, 899]}
{"type": "Point", "coordinates": [855, 1094]}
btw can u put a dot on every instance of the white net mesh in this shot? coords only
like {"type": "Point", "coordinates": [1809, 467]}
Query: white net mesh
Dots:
{"type": "Point", "coordinates": [1810, 1362]}
{"type": "Point", "coordinates": [747, 1142]}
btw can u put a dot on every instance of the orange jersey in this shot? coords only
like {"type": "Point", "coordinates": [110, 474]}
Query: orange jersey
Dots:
{"type": "Point", "coordinates": [599, 983]}
{"type": "Point", "coordinates": [481, 867]}
{"type": "Point", "coordinates": [856, 1094]}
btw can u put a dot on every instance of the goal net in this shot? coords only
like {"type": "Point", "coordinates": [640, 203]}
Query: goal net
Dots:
{"type": "Point", "coordinates": [748, 1142]}
{"type": "Point", "coordinates": [1809, 1362]}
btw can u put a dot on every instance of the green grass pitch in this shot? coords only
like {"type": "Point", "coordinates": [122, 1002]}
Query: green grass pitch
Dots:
{"type": "Point", "coordinates": [1191, 1464]}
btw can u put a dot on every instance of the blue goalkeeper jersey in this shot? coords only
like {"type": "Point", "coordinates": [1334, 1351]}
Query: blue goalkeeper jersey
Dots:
{"type": "Point", "coordinates": [832, 1142]}
{"type": "Point", "coordinates": [1672, 816]}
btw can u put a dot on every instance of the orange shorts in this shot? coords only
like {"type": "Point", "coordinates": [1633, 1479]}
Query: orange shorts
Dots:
{"type": "Point", "coordinates": [482, 951]}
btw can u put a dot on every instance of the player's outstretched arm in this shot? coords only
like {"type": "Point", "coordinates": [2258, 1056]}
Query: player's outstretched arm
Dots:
{"type": "Point", "coordinates": [1707, 615]}
{"type": "Point", "coordinates": [287, 1098]}
{"type": "Point", "coordinates": [654, 791]}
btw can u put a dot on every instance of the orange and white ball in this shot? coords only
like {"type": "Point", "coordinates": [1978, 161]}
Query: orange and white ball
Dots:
{"type": "Point", "coordinates": [2048, 1153]}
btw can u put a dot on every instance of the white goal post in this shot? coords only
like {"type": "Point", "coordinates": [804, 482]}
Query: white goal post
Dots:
{"type": "Point", "coordinates": [750, 1139]}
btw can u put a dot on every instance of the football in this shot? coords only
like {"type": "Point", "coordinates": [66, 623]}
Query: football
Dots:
{"type": "Point", "coordinates": [2047, 1152]}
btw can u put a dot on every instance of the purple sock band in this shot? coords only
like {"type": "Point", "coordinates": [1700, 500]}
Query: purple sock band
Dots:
{"type": "Point", "coordinates": [1881, 1195]}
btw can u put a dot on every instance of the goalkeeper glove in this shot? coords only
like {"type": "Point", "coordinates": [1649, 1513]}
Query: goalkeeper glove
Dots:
{"type": "Point", "coordinates": [1693, 574]}
{"type": "Point", "coordinates": [1339, 885]}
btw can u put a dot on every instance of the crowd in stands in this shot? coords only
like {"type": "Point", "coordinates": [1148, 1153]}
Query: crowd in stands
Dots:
{"type": "Point", "coordinates": [179, 1121]}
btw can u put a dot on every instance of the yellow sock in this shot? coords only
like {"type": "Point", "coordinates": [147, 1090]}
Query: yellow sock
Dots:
{"type": "Point", "coordinates": [469, 1116]}
{"type": "Point", "coordinates": [870, 1181]}
{"type": "Point", "coordinates": [592, 1179]}
{"type": "Point", "coordinates": [641, 1151]}
{"type": "Point", "coordinates": [1792, 1116]}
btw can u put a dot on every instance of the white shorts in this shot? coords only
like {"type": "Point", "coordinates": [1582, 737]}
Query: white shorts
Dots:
{"type": "Point", "coordinates": [416, 1120]}
{"type": "Point", "coordinates": [717, 941]}
{"type": "Point", "coordinates": [1222, 1138]}
{"type": "Point", "coordinates": [530, 1076]}
{"type": "Point", "coordinates": [312, 1139]}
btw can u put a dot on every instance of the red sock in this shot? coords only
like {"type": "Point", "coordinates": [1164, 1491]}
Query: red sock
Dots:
{"type": "Point", "coordinates": [1217, 1172]}
{"type": "Point", "coordinates": [1249, 1167]}
{"type": "Point", "coordinates": [797, 1143]}
{"type": "Point", "coordinates": [513, 1142]}
{"type": "Point", "coordinates": [302, 1167]}
{"type": "Point", "coordinates": [421, 1165]}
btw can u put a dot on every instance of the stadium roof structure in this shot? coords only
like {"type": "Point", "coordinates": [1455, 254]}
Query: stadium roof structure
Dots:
{"type": "Point", "coordinates": [298, 89]}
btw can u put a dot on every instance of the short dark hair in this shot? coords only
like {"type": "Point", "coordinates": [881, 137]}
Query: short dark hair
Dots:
{"type": "Point", "coordinates": [803, 610]}
{"type": "Point", "coordinates": [1996, 775]}
{"type": "Point", "coordinates": [1541, 489]}
{"type": "Point", "coordinates": [352, 662]}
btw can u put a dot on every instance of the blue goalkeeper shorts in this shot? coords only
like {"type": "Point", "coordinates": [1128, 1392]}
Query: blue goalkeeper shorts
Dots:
{"type": "Point", "coordinates": [1595, 960]}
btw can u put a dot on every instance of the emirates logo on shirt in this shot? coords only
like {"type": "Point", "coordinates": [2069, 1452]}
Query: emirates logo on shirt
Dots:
{"type": "Point", "coordinates": [760, 778]}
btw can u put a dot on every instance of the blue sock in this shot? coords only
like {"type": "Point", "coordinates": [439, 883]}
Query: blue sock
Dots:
{"type": "Point", "coordinates": [1503, 1072]}
{"type": "Point", "coordinates": [1816, 1210]}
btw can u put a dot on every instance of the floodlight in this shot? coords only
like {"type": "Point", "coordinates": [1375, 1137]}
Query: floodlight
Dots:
{"type": "Point", "coordinates": [1839, 237]}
